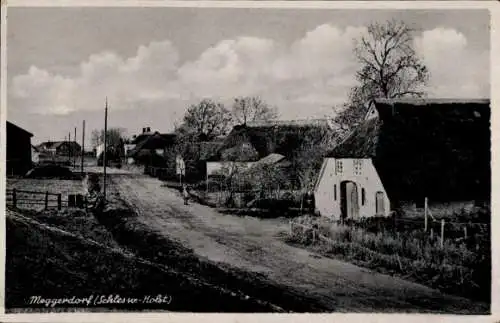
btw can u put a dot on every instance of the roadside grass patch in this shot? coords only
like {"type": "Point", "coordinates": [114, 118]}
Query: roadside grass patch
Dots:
{"type": "Point", "coordinates": [42, 261]}
{"type": "Point", "coordinates": [456, 268]}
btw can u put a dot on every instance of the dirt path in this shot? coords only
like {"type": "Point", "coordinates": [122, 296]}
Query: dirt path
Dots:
{"type": "Point", "coordinates": [255, 245]}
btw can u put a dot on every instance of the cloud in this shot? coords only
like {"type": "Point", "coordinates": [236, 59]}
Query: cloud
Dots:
{"type": "Point", "coordinates": [304, 79]}
{"type": "Point", "coordinates": [149, 76]}
{"type": "Point", "coordinates": [230, 68]}
{"type": "Point", "coordinates": [455, 69]}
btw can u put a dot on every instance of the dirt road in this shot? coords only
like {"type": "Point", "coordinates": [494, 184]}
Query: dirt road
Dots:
{"type": "Point", "coordinates": [254, 245]}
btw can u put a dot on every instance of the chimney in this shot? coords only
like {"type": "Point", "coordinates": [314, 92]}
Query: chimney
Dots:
{"type": "Point", "coordinates": [143, 130]}
{"type": "Point", "coordinates": [148, 129]}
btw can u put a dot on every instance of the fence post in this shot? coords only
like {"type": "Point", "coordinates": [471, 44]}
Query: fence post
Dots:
{"type": "Point", "coordinates": [59, 202]}
{"type": "Point", "coordinates": [432, 233]}
{"type": "Point", "coordinates": [465, 232]}
{"type": "Point", "coordinates": [314, 236]}
{"type": "Point", "coordinates": [291, 227]}
{"type": "Point", "coordinates": [442, 233]}
{"type": "Point", "coordinates": [425, 214]}
{"type": "Point", "coordinates": [14, 197]}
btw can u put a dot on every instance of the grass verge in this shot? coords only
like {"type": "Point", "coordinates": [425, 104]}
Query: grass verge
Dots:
{"type": "Point", "coordinates": [45, 261]}
{"type": "Point", "coordinates": [455, 268]}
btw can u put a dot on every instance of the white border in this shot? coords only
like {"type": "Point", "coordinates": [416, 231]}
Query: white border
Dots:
{"type": "Point", "coordinates": [494, 8]}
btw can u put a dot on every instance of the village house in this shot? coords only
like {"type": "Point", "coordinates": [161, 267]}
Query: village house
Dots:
{"type": "Point", "coordinates": [247, 144]}
{"type": "Point", "coordinates": [19, 158]}
{"type": "Point", "coordinates": [202, 162]}
{"type": "Point", "coordinates": [59, 148]}
{"type": "Point", "coordinates": [35, 155]}
{"type": "Point", "coordinates": [404, 152]}
{"type": "Point", "coordinates": [150, 148]}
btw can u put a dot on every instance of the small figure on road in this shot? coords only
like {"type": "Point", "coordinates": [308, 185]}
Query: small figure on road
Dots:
{"type": "Point", "coordinates": [185, 194]}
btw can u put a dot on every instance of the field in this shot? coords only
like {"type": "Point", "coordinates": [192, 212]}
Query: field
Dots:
{"type": "Point", "coordinates": [460, 266]}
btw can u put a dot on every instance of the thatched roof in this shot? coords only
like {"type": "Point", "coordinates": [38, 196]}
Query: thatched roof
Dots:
{"type": "Point", "coordinates": [280, 137]}
{"type": "Point", "coordinates": [271, 160]}
{"type": "Point", "coordinates": [434, 148]}
{"type": "Point", "coordinates": [208, 149]}
{"type": "Point", "coordinates": [154, 141]}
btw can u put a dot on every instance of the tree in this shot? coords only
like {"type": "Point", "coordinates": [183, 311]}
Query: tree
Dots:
{"type": "Point", "coordinates": [247, 109]}
{"type": "Point", "coordinates": [307, 159]}
{"type": "Point", "coordinates": [115, 137]}
{"type": "Point", "coordinates": [390, 68]}
{"type": "Point", "coordinates": [206, 120]}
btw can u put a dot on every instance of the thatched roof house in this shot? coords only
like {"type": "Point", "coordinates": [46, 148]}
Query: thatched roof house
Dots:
{"type": "Point", "coordinates": [412, 149]}
{"type": "Point", "coordinates": [256, 140]}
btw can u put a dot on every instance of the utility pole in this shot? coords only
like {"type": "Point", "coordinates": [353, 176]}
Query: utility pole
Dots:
{"type": "Point", "coordinates": [69, 148]}
{"type": "Point", "coordinates": [83, 145]}
{"type": "Point", "coordinates": [105, 145]}
{"type": "Point", "coordinates": [74, 155]}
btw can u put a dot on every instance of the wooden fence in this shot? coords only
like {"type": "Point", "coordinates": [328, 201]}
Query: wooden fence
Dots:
{"type": "Point", "coordinates": [15, 198]}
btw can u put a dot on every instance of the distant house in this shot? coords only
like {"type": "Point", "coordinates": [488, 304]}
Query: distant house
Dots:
{"type": "Point", "coordinates": [35, 155]}
{"type": "Point", "coordinates": [220, 168]}
{"type": "Point", "coordinates": [60, 148]}
{"type": "Point", "coordinates": [19, 158]}
{"type": "Point", "coordinates": [256, 140]}
{"type": "Point", "coordinates": [406, 151]}
{"type": "Point", "coordinates": [149, 148]}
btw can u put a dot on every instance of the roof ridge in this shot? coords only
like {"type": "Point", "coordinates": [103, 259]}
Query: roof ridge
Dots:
{"type": "Point", "coordinates": [426, 101]}
{"type": "Point", "coordinates": [304, 121]}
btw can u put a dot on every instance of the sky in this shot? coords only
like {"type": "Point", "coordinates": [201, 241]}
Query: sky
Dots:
{"type": "Point", "coordinates": [152, 63]}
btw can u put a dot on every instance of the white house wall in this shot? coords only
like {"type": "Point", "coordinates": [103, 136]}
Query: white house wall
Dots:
{"type": "Point", "coordinates": [99, 149]}
{"type": "Point", "coordinates": [367, 179]}
{"type": "Point", "coordinates": [214, 168]}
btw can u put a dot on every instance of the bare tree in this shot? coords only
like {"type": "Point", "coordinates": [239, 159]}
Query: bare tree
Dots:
{"type": "Point", "coordinates": [115, 137]}
{"type": "Point", "coordinates": [207, 120]}
{"type": "Point", "coordinates": [247, 109]}
{"type": "Point", "coordinates": [390, 68]}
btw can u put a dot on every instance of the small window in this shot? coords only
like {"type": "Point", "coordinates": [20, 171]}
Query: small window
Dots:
{"type": "Point", "coordinates": [357, 166]}
{"type": "Point", "coordinates": [338, 167]}
{"type": "Point", "coordinates": [335, 192]}
{"type": "Point", "coordinates": [363, 196]}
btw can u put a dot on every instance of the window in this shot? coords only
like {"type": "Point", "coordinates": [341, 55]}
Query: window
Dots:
{"type": "Point", "coordinates": [363, 196]}
{"type": "Point", "coordinates": [338, 167]}
{"type": "Point", "coordinates": [358, 166]}
{"type": "Point", "coordinates": [335, 192]}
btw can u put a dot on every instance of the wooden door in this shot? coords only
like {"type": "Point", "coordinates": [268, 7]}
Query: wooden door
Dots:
{"type": "Point", "coordinates": [379, 203]}
{"type": "Point", "coordinates": [349, 200]}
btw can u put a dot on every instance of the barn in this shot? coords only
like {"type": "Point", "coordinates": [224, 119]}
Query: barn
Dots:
{"type": "Point", "coordinates": [19, 147]}
{"type": "Point", "coordinates": [405, 151]}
